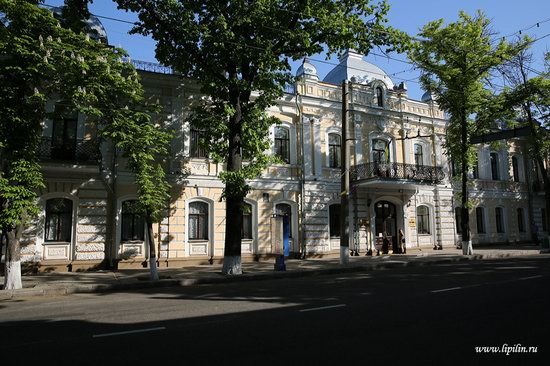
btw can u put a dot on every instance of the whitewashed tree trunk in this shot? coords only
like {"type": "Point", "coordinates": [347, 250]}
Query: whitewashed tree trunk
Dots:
{"type": "Point", "coordinates": [467, 248]}
{"type": "Point", "coordinates": [232, 265]}
{"type": "Point", "coordinates": [344, 255]}
{"type": "Point", "coordinates": [12, 272]}
{"type": "Point", "coordinates": [153, 273]}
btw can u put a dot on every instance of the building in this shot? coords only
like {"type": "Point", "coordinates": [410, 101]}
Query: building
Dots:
{"type": "Point", "coordinates": [401, 179]}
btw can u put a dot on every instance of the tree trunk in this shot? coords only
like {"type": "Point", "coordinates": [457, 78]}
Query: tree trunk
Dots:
{"type": "Point", "coordinates": [12, 271]}
{"type": "Point", "coordinates": [153, 273]}
{"type": "Point", "coordinates": [233, 199]}
{"type": "Point", "coordinates": [466, 240]}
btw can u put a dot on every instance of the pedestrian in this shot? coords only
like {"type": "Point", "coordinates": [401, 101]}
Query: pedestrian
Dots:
{"type": "Point", "coordinates": [403, 247]}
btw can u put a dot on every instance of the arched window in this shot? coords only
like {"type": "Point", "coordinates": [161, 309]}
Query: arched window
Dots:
{"type": "Point", "coordinates": [480, 220]}
{"type": "Point", "coordinates": [515, 168]}
{"type": "Point", "coordinates": [380, 151]}
{"type": "Point", "coordinates": [133, 224]}
{"type": "Point", "coordinates": [334, 146]}
{"type": "Point", "coordinates": [334, 220]}
{"type": "Point", "coordinates": [494, 166]}
{"type": "Point", "coordinates": [198, 221]}
{"type": "Point", "coordinates": [282, 144]}
{"type": "Point", "coordinates": [284, 209]}
{"type": "Point", "coordinates": [475, 168]}
{"type": "Point", "coordinates": [418, 154]}
{"type": "Point", "coordinates": [246, 232]}
{"type": "Point", "coordinates": [521, 220]}
{"type": "Point", "coordinates": [423, 219]}
{"type": "Point", "coordinates": [59, 219]}
{"type": "Point", "coordinates": [499, 218]}
{"type": "Point", "coordinates": [379, 96]}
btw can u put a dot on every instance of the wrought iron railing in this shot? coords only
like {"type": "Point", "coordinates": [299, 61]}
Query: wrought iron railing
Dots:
{"type": "Point", "coordinates": [81, 150]}
{"type": "Point", "coordinates": [153, 67]}
{"type": "Point", "coordinates": [396, 171]}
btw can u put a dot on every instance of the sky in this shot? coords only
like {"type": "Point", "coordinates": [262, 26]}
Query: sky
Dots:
{"type": "Point", "coordinates": [508, 18]}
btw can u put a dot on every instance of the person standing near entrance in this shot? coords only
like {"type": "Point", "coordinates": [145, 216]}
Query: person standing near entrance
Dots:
{"type": "Point", "coordinates": [402, 246]}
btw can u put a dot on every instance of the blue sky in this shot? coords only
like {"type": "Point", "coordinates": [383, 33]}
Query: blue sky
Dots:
{"type": "Point", "coordinates": [507, 17]}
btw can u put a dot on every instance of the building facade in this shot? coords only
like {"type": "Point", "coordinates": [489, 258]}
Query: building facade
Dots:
{"type": "Point", "coordinates": [400, 179]}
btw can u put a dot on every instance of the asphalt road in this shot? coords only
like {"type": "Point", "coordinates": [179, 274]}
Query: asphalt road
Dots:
{"type": "Point", "coordinates": [421, 315]}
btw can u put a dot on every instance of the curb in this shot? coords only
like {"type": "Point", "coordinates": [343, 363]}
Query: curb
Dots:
{"type": "Point", "coordinates": [245, 277]}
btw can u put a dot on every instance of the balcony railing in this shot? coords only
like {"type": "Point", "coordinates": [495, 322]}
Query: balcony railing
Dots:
{"type": "Point", "coordinates": [397, 171]}
{"type": "Point", "coordinates": [79, 150]}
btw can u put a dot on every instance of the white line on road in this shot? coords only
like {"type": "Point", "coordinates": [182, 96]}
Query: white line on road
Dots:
{"type": "Point", "coordinates": [447, 289]}
{"type": "Point", "coordinates": [531, 277]}
{"type": "Point", "coordinates": [323, 308]}
{"type": "Point", "coordinates": [127, 332]}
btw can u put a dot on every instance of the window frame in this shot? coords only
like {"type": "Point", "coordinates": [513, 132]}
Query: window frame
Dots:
{"type": "Point", "coordinates": [493, 162]}
{"type": "Point", "coordinates": [423, 220]}
{"type": "Point", "coordinates": [334, 150]}
{"type": "Point", "coordinates": [247, 212]}
{"type": "Point", "coordinates": [515, 169]}
{"type": "Point", "coordinates": [334, 212]}
{"type": "Point", "coordinates": [195, 150]}
{"type": "Point", "coordinates": [61, 216]}
{"type": "Point", "coordinates": [418, 157]}
{"type": "Point", "coordinates": [499, 219]}
{"type": "Point", "coordinates": [282, 144]}
{"type": "Point", "coordinates": [379, 96]}
{"type": "Point", "coordinates": [521, 220]}
{"type": "Point", "coordinates": [135, 222]}
{"type": "Point", "coordinates": [201, 218]}
{"type": "Point", "coordinates": [480, 220]}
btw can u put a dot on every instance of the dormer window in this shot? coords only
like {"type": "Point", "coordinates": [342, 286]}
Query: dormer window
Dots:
{"type": "Point", "coordinates": [379, 96]}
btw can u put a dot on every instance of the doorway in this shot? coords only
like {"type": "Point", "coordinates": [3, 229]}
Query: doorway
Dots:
{"type": "Point", "coordinates": [385, 226]}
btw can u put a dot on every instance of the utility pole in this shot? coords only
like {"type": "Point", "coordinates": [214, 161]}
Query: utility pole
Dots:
{"type": "Point", "coordinates": [344, 190]}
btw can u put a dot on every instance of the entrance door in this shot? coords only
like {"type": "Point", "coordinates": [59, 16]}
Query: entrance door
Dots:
{"type": "Point", "coordinates": [284, 210]}
{"type": "Point", "coordinates": [385, 225]}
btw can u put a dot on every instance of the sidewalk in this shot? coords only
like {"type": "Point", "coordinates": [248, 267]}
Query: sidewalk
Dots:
{"type": "Point", "coordinates": [58, 284]}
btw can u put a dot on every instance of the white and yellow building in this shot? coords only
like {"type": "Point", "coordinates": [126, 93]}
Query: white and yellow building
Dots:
{"type": "Point", "coordinates": [400, 179]}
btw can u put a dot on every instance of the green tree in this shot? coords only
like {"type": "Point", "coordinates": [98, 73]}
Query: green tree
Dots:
{"type": "Point", "coordinates": [454, 61]}
{"type": "Point", "coordinates": [526, 102]}
{"type": "Point", "coordinates": [41, 60]}
{"type": "Point", "coordinates": [240, 53]}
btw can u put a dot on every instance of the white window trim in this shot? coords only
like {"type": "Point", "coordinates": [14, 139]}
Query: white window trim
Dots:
{"type": "Point", "coordinates": [328, 132]}
{"type": "Point", "coordinates": [254, 213]}
{"type": "Point", "coordinates": [210, 241]}
{"type": "Point", "coordinates": [118, 225]}
{"type": "Point", "coordinates": [431, 226]}
{"type": "Point", "coordinates": [291, 139]}
{"type": "Point", "coordinates": [388, 138]}
{"type": "Point", "coordinates": [40, 232]}
{"type": "Point", "coordinates": [426, 151]}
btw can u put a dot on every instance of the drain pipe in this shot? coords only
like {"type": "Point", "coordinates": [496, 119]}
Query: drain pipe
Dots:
{"type": "Point", "coordinates": [298, 101]}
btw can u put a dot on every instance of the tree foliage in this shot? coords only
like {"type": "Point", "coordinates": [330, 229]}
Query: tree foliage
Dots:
{"type": "Point", "coordinates": [240, 53]}
{"type": "Point", "coordinates": [454, 61]}
{"type": "Point", "coordinates": [40, 60]}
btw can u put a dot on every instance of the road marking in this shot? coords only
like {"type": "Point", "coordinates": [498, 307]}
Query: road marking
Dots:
{"type": "Point", "coordinates": [127, 332]}
{"type": "Point", "coordinates": [447, 289]}
{"type": "Point", "coordinates": [323, 308]}
{"type": "Point", "coordinates": [517, 267]}
{"type": "Point", "coordinates": [530, 278]}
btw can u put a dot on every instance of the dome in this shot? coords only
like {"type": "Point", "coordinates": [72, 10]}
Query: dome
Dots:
{"type": "Point", "coordinates": [351, 66]}
{"type": "Point", "coordinates": [428, 97]}
{"type": "Point", "coordinates": [308, 70]}
{"type": "Point", "coordinates": [95, 27]}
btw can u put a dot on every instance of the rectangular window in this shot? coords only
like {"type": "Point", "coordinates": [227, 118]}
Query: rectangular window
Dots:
{"type": "Point", "coordinates": [475, 170]}
{"type": "Point", "coordinates": [458, 220]}
{"type": "Point", "coordinates": [282, 144]}
{"type": "Point", "coordinates": [334, 220]}
{"type": "Point", "coordinates": [515, 168]}
{"type": "Point", "coordinates": [494, 166]}
{"type": "Point", "coordinates": [423, 220]}
{"type": "Point", "coordinates": [198, 221]}
{"type": "Point", "coordinates": [521, 221]}
{"type": "Point", "coordinates": [58, 223]}
{"type": "Point", "coordinates": [480, 220]}
{"type": "Point", "coordinates": [133, 225]}
{"type": "Point", "coordinates": [246, 232]}
{"type": "Point", "coordinates": [418, 155]}
{"type": "Point", "coordinates": [499, 220]}
{"type": "Point", "coordinates": [195, 149]}
{"type": "Point", "coordinates": [334, 147]}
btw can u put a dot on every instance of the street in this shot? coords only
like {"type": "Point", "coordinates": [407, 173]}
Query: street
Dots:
{"type": "Point", "coordinates": [436, 313]}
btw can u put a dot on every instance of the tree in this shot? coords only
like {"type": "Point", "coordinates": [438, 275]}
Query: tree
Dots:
{"type": "Point", "coordinates": [526, 102]}
{"type": "Point", "coordinates": [39, 61]}
{"type": "Point", "coordinates": [454, 62]}
{"type": "Point", "coordinates": [240, 52]}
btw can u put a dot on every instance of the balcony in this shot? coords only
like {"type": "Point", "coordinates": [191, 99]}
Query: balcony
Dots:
{"type": "Point", "coordinates": [79, 150]}
{"type": "Point", "coordinates": [397, 172]}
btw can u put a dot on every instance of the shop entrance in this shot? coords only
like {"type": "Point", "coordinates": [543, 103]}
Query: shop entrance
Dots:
{"type": "Point", "coordinates": [385, 226]}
